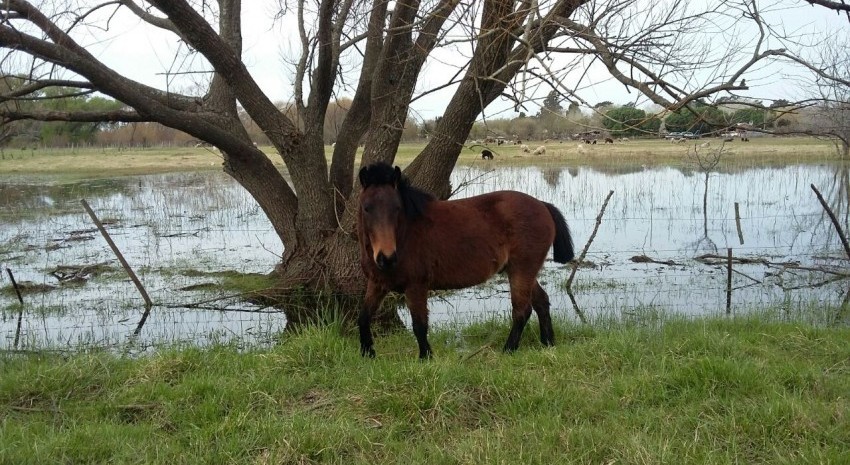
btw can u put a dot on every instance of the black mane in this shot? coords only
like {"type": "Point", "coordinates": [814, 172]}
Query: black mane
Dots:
{"type": "Point", "coordinates": [415, 200]}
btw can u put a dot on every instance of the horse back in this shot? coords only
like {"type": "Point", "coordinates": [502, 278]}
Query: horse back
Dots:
{"type": "Point", "coordinates": [463, 242]}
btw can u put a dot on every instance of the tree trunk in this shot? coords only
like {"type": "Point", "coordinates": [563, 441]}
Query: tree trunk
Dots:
{"type": "Point", "coordinates": [322, 282]}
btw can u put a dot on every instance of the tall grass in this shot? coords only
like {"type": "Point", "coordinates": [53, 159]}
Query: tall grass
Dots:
{"type": "Point", "coordinates": [700, 391]}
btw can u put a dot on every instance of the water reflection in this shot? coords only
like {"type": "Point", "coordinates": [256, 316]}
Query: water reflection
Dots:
{"type": "Point", "coordinates": [169, 225]}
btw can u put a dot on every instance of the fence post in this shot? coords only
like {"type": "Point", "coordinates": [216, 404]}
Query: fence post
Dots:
{"type": "Point", "coordinates": [738, 224]}
{"type": "Point", "coordinates": [133, 277]}
{"type": "Point", "coordinates": [20, 311]}
{"type": "Point", "coordinates": [834, 220]}
{"type": "Point", "coordinates": [15, 285]}
{"type": "Point", "coordinates": [583, 253]}
{"type": "Point", "coordinates": [729, 280]}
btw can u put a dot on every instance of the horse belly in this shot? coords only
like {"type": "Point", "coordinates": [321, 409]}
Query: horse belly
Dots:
{"type": "Point", "coordinates": [467, 265]}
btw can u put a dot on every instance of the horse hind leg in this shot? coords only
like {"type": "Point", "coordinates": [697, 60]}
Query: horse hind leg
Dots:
{"type": "Point", "coordinates": [521, 311]}
{"type": "Point", "coordinates": [540, 303]}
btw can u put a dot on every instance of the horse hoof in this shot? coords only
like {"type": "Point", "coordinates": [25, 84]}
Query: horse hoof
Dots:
{"type": "Point", "coordinates": [508, 349]}
{"type": "Point", "coordinates": [367, 352]}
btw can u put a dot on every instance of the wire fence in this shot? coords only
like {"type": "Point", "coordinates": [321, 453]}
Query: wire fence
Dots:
{"type": "Point", "coordinates": [103, 310]}
{"type": "Point", "coordinates": [185, 234]}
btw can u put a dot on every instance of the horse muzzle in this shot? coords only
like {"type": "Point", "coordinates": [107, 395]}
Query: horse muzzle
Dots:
{"type": "Point", "coordinates": [386, 262]}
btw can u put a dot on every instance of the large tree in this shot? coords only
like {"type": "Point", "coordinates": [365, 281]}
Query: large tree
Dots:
{"type": "Point", "coordinates": [630, 121]}
{"type": "Point", "coordinates": [500, 48]}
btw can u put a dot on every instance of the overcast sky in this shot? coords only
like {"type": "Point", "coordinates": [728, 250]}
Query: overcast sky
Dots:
{"type": "Point", "coordinates": [145, 54]}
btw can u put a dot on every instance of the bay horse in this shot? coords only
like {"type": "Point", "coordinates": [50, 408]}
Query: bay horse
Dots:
{"type": "Point", "coordinates": [411, 243]}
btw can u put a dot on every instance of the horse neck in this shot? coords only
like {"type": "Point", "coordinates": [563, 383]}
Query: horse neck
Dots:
{"type": "Point", "coordinates": [402, 232]}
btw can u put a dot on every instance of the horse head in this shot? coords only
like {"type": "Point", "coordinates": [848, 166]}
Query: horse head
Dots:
{"type": "Point", "coordinates": [388, 204]}
{"type": "Point", "coordinates": [381, 211]}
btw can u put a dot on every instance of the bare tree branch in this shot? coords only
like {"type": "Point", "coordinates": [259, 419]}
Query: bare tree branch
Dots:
{"type": "Point", "coordinates": [116, 116]}
{"type": "Point", "coordinates": [42, 84]}
{"type": "Point", "coordinates": [62, 50]}
{"type": "Point", "coordinates": [357, 119]}
{"type": "Point", "coordinates": [837, 6]}
{"type": "Point", "coordinates": [144, 15]}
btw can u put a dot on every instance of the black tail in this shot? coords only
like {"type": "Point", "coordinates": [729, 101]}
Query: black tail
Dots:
{"type": "Point", "coordinates": [563, 241]}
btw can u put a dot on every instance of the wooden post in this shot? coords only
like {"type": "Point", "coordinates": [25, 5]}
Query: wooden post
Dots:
{"type": "Point", "coordinates": [133, 277]}
{"type": "Point", "coordinates": [834, 220]}
{"type": "Point", "coordinates": [589, 241]}
{"type": "Point", "coordinates": [20, 311]}
{"type": "Point", "coordinates": [575, 307]}
{"type": "Point", "coordinates": [141, 324]}
{"type": "Point", "coordinates": [15, 286]}
{"type": "Point", "coordinates": [729, 281]}
{"type": "Point", "coordinates": [738, 223]}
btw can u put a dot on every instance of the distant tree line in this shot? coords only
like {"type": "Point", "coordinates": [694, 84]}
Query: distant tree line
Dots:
{"type": "Point", "coordinates": [555, 122]}
{"type": "Point", "coordinates": [552, 121]}
{"type": "Point", "coordinates": [31, 133]}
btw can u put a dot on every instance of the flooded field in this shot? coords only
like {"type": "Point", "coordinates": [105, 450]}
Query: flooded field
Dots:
{"type": "Point", "coordinates": [657, 249]}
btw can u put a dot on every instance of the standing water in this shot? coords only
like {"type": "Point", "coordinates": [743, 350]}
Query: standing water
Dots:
{"type": "Point", "coordinates": [657, 249]}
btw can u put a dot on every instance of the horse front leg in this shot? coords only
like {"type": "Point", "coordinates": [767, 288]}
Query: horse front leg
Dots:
{"type": "Point", "coordinates": [417, 303]}
{"type": "Point", "coordinates": [374, 296]}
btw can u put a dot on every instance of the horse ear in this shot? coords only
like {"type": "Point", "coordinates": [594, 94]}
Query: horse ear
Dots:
{"type": "Point", "coordinates": [396, 176]}
{"type": "Point", "coordinates": [364, 179]}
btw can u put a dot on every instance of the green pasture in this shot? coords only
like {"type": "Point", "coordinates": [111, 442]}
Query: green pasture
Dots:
{"type": "Point", "coordinates": [106, 162]}
{"type": "Point", "coordinates": [705, 391]}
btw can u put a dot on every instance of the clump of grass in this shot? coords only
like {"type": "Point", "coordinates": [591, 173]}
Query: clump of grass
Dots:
{"type": "Point", "coordinates": [685, 391]}
{"type": "Point", "coordinates": [232, 281]}
{"type": "Point", "coordinates": [592, 285]}
{"type": "Point", "coordinates": [26, 288]}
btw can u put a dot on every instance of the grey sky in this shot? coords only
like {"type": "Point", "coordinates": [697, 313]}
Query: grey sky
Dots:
{"type": "Point", "coordinates": [145, 54]}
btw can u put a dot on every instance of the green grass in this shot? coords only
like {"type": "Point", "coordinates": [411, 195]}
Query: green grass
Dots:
{"type": "Point", "coordinates": [230, 280]}
{"type": "Point", "coordinates": [704, 391]}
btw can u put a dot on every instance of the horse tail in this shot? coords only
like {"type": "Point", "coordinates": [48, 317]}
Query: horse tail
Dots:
{"type": "Point", "coordinates": [563, 243]}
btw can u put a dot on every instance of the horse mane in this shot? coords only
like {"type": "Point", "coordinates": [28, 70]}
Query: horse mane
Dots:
{"type": "Point", "coordinates": [414, 200]}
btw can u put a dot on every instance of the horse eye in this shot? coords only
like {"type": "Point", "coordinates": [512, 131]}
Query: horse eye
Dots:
{"type": "Point", "coordinates": [367, 208]}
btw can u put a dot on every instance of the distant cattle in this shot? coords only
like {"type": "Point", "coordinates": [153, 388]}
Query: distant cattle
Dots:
{"type": "Point", "coordinates": [539, 150]}
{"type": "Point", "coordinates": [609, 140]}
{"type": "Point", "coordinates": [486, 155]}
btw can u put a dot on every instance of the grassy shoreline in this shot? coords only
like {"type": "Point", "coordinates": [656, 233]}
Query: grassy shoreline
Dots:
{"type": "Point", "coordinates": [688, 391]}
{"type": "Point", "coordinates": [72, 164]}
